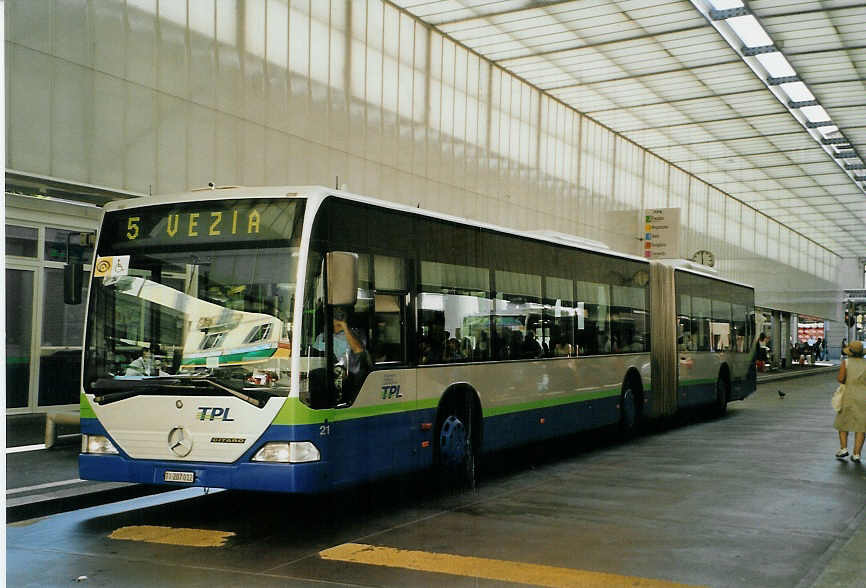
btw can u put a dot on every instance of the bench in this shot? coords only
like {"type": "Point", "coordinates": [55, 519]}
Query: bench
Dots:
{"type": "Point", "coordinates": [58, 418]}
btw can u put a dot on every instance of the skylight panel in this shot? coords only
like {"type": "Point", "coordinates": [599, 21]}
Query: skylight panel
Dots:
{"type": "Point", "coordinates": [726, 4]}
{"type": "Point", "coordinates": [797, 91]}
{"type": "Point", "coordinates": [750, 31]}
{"type": "Point", "coordinates": [776, 65]}
{"type": "Point", "coordinates": [815, 113]}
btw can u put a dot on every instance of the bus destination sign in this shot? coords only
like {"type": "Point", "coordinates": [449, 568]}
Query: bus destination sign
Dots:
{"type": "Point", "coordinates": [202, 223]}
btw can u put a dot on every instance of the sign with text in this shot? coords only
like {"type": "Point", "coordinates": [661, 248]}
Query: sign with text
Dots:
{"type": "Point", "coordinates": [661, 233]}
{"type": "Point", "coordinates": [203, 224]}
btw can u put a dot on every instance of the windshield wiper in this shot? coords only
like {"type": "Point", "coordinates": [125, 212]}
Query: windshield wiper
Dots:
{"type": "Point", "coordinates": [109, 390]}
{"type": "Point", "coordinates": [216, 383]}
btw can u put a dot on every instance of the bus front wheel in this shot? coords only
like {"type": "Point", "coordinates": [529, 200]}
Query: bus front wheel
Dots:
{"type": "Point", "coordinates": [456, 452]}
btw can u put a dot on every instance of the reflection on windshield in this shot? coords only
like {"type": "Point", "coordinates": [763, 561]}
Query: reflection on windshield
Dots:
{"type": "Point", "coordinates": [224, 315]}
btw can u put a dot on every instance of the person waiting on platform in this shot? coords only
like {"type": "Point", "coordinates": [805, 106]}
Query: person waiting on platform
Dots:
{"type": "Point", "coordinates": [852, 416]}
{"type": "Point", "coordinates": [762, 353]}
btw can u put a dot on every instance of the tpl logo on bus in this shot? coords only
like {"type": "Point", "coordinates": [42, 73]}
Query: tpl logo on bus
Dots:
{"type": "Point", "coordinates": [213, 413]}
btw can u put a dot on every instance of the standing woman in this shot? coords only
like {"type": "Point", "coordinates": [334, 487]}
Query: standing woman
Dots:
{"type": "Point", "coordinates": [852, 417]}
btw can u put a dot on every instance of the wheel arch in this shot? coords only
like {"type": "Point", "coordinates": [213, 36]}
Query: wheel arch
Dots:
{"type": "Point", "coordinates": [725, 376]}
{"type": "Point", "coordinates": [633, 379]}
{"type": "Point", "coordinates": [458, 394]}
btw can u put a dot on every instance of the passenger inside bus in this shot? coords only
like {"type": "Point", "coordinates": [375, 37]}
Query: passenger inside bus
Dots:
{"type": "Point", "coordinates": [531, 348]}
{"type": "Point", "coordinates": [561, 346]}
{"type": "Point", "coordinates": [144, 365]}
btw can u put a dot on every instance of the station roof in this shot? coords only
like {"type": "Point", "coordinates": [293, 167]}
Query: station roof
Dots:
{"type": "Point", "coordinates": [763, 99]}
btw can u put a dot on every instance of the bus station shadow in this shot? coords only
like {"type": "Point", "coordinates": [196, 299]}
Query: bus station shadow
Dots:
{"type": "Point", "coordinates": [503, 464]}
{"type": "Point", "coordinates": [337, 515]}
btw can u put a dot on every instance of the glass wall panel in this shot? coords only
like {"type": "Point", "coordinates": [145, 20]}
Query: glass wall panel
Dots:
{"type": "Point", "coordinates": [22, 241]}
{"type": "Point", "coordinates": [67, 246]}
{"type": "Point", "coordinates": [62, 332]}
{"type": "Point", "coordinates": [19, 321]}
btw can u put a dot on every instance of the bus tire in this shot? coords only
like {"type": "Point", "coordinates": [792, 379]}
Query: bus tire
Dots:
{"type": "Point", "coordinates": [456, 451]}
{"type": "Point", "coordinates": [722, 395]}
{"type": "Point", "coordinates": [629, 409]}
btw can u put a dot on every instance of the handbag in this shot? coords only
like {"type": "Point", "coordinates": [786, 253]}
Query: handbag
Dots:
{"type": "Point", "coordinates": [836, 400]}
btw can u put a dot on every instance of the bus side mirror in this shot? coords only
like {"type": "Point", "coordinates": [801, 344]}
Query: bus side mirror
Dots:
{"type": "Point", "coordinates": [342, 273]}
{"type": "Point", "coordinates": [73, 280]}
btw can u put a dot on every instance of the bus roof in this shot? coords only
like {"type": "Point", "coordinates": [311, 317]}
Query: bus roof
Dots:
{"type": "Point", "coordinates": [216, 193]}
{"type": "Point", "coordinates": [688, 266]}
{"type": "Point", "coordinates": [320, 193]}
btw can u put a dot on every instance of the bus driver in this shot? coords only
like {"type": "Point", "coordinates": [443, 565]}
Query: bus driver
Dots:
{"type": "Point", "coordinates": [351, 355]}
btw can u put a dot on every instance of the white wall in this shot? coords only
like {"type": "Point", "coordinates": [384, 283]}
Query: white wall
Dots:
{"type": "Point", "coordinates": [119, 94]}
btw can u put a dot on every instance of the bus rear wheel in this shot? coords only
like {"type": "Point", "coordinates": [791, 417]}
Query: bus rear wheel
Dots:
{"type": "Point", "coordinates": [456, 452]}
{"type": "Point", "coordinates": [721, 407]}
{"type": "Point", "coordinates": [628, 410]}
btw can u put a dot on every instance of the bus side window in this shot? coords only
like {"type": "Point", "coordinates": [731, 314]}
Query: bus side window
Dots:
{"type": "Point", "coordinates": [701, 317]}
{"type": "Point", "coordinates": [388, 328]}
{"type": "Point", "coordinates": [454, 308]}
{"type": "Point", "coordinates": [389, 309]}
{"type": "Point", "coordinates": [593, 335]}
{"type": "Point", "coordinates": [685, 341]}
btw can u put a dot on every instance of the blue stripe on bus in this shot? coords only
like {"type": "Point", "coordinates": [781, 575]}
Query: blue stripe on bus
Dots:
{"type": "Point", "coordinates": [357, 450]}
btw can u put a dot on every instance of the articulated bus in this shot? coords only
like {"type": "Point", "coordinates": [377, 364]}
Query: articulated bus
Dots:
{"type": "Point", "coordinates": [303, 339]}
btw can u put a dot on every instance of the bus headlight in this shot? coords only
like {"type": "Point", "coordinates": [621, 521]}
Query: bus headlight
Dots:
{"type": "Point", "coordinates": [96, 444]}
{"type": "Point", "coordinates": [288, 452]}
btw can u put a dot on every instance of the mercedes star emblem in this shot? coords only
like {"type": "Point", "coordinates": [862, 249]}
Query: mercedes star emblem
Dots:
{"type": "Point", "coordinates": [180, 441]}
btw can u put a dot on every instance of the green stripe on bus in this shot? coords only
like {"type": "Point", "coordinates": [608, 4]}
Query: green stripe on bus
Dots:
{"type": "Point", "coordinates": [551, 402]}
{"type": "Point", "coordinates": [86, 409]}
{"type": "Point", "coordinates": [362, 412]}
{"type": "Point", "coordinates": [697, 381]}
{"type": "Point", "coordinates": [233, 357]}
{"type": "Point", "coordinates": [294, 412]}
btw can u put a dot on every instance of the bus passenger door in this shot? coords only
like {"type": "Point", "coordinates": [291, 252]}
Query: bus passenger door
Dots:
{"type": "Point", "coordinates": [372, 434]}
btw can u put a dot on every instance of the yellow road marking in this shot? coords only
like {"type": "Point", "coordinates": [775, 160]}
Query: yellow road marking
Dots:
{"type": "Point", "coordinates": [490, 569]}
{"type": "Point", "coordinates": [172, 536]}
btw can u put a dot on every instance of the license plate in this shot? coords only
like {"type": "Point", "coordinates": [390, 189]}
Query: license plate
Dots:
{"type": "Point", "coordinates": [188, 477]}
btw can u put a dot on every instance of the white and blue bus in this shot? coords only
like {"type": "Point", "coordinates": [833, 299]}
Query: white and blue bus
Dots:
{"type": "Point", "coordinates": [302, 339]}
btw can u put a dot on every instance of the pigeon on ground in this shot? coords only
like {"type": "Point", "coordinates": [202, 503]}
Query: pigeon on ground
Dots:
{"type": "Point", "coordinates": [781, 394]}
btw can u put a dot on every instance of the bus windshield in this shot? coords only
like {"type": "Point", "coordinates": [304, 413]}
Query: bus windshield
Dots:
{"type": "Point", "coordinates": [195, 316]}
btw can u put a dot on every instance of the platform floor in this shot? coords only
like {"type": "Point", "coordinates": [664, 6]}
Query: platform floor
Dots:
{"type": "Point", "coordinates": [753, 499]}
